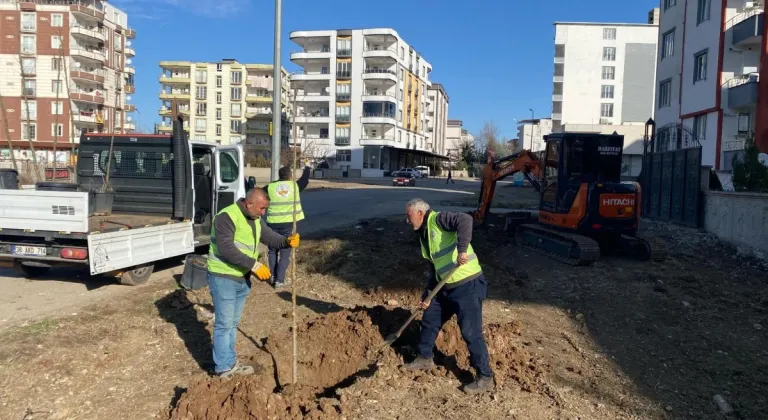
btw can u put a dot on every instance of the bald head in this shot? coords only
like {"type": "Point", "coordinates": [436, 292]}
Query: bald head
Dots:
{"type": "Point", "coordinates": [256, 202]}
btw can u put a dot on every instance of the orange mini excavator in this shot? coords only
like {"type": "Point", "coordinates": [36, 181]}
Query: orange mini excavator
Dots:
{"type": "Point", "coordinates": [583, 206]}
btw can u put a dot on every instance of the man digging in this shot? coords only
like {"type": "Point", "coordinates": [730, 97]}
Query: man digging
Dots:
{"type": "Point", "coordinates": [445, 241]}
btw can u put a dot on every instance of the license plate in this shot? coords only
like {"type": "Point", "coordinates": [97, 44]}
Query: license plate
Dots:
{"type": "Point", "coordinates": [38, 251]}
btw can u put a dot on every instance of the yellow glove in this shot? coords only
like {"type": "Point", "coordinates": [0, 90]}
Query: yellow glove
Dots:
{"type": "Point", "coordinates": [293, 240]}
{"type": "Point", "coordinates": [261, 271]}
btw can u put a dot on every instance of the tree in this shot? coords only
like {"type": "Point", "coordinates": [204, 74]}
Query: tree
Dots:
{"type": "Point", "coordinates": [749, 174]}
{"type": "Point", "coordinates": [488, 140]}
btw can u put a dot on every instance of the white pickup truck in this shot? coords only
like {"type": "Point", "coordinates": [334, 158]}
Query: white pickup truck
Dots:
{"type": "Point", "coordinates": [160, 209]}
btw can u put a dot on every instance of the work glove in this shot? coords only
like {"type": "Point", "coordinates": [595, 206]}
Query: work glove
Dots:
{"type": "Point", "coordinates": [261, 271]}
{"type": "Point", "coordinates": [293, 240]}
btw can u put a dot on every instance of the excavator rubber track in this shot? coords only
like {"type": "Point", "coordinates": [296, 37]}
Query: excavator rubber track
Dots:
{"type": "Point", "coordinates": [569, 248]}
{"type": "Point", "coordinates": [643, 249]}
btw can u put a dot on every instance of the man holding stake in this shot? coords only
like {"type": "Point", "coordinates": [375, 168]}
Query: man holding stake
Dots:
{"type": "Point", "coordinates": [232, 260]}
{"type": "Point", "coordinates": [445, 241]}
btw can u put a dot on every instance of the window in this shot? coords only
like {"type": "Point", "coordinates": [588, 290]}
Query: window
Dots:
{"type": "Point", "coordinates": [668, 4]}
{"type": "Point", "coordinates": [235, 126]}
{"type": "Point", "coordinates": [29, 65]}
{"type": "Point", "coordinates": [200, 124]}
{"type": "Point", "coordinates": [57, 108]}
{"type": "Point", "coordinates": [324, 132]}
{"type": "Point", "coordinates": [343, 155]}
{"type": "Point", "coordinates": [29, 131]}
{"type": "Point", "coordinates": [57, 20]}
{"type": "Point", "coordinates": [609, 33]}
{"type": "Point", "coordinates": [201, 76]}
{"type": "Point", "coordinates": [28, 22]}
{"type": "Point", "coordinates": [609, 72]}
{"type": "Point", "coordinates": [400, 115]}
{"type": "Point", "coordinates": [700, 127]}
{"type": "Point", "coordinates": [218, 129]}
{"type": "Point", "coordinates": [218, 113]}
{"type": "Point", "coordinates": [202, 109]}
{"type": "Point", "coordinates": [28, 44]}
{"type": "Point", "coordinates": [236, 93]}
{"type": "Point", "coordinates": [228, 166]}
{"type": "Point", "coordinates": [56, 42]}
{"type": "Point", "coordinates": [56, 86]}
{"type": "Point", "coordinates": [343, 69]}
{"type": "Point", "coordinates": [32, 107]}
{"type": "Point", "coordinates": [606, 91]}
{"type": "Point", "coordinates": [665, 93]}
{"type": "Point", "coordinates": [219, 67]}
{"type": "Point", "coordinates": [702, 12]}
{"type": "Point", "coordinates": [700, 66]}
{"type": "Point", "coordinates": [56, 64]}
{"type": "Point", "coordinates": [237, 77]}
{"type": "Point", "coordinates": [606, 110]}
{"type": "Point", "coordinates": [218, 81]}
{"type": "Point", "coordinates": [342, 132]}
{"type": "Point", "coordinates": [57, 130]}
{"type": "Point", "coordinates": [30, 88]}
{"type": "Point", "coordinates": [743, 122]}
{"type": "Point", "coordinates": [402, 53]}
{"type": "Point", "coordinates": [609, 53]}
{"type": "Point", "coordinates": [218, 98]}
{"type": "Point", "coordinates": [668, 44]}
{"type": "Point", "coordinates": [201, 93]}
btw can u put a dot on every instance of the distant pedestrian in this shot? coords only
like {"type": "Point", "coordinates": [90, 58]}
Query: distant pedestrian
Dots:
{"type": "Point", "coordinates": [450, 177]}
{"type": "Point", "coordinates": [280, 217]}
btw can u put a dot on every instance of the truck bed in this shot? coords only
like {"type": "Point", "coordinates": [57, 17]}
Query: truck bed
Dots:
{"type": "Point", "coordinates": [119, 221]}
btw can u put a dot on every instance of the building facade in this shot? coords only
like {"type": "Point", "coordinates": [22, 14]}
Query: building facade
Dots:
{"type": "Point", "coordinates": [455, 136]}
{"type": "Point", "coordinates": [708, 76]}
{"type": "Point", "coordinates": [361, 99]}
{"type": "Point", "coordinates": [530, 133]}
{"type": "Point", "coordinates": [604, 73]}
{"type": "Point", "coordinates": [437, 118]}
{"type": "Point", "coordinates": [225, 102]}
{"type": "Point", "coordinates": [66, 69]}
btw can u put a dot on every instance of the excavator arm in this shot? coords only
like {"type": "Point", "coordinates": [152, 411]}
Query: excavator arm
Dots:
{"type": "Point", "coordinates": [498, 169]}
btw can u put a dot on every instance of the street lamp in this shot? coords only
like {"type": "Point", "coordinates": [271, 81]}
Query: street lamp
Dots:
{"type": "Point", "coordinates": [277, 95]}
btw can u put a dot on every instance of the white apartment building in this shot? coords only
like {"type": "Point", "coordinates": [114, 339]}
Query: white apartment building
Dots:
{"type": "Point", "coordinates": [66, 69]}
{"type": "Point", "coordinates": [361, 99]}
{"type": "Point", "coordinates": [530, 133]}
{"type": "Point", "coordinates": [708, 76]}
{"type": "Point", "coordinates": [437, 118]}
{"type": "Point", "coordinates": [604, 73]}
{"type": "Point", "coordinates": [455, 136]}
{"type": "Point", "coordinates": [224, 102]}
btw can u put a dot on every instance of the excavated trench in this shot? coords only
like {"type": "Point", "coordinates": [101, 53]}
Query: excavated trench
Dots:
{"type": "Point", "coordinates": [335, 351]}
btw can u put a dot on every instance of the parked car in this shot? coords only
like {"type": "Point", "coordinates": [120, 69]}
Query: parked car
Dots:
{"type": "Point", "coordinates": [424, 170]}
{"type": "Point", "coordinates": [405, 179]}
{"type": "Point", "coordinates": [404, 171]}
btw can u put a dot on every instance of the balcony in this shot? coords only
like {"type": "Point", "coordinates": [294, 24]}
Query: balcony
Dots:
{"type": "Point", "coordinates": [557, 98]}
{"type": "Point", "coordinates": [84, 117]}
{"type": "Point", "coordinates": [341, 141]}
{"type": "Point", "coordinates": [311, 53]}
{"type": "Point", "coordinates": [165, 112]}
{"type": "Point", "coordinates": [378, 118]}
{"type": "Point", "coordinates": [380, 74]}
{"type": "Point", "coordinates": [379, 97]}
{"type": "Point", "coordinates": [343, 96]}
{"type": "Point", "coordinates": [80, 51]}
{"type": "Point", "coordinates": [178, 78]}
{"type": "Point", "coordinates": [260, 82]}
{"type": "Point", "coordinates": [130, 52]}
{"type": "Point", "coordinates": [559, 60]}
{"type": "Point", "coordinates": [344, 53]}
{"type": "Point", "coordinates": [557, 116]}
{"type": "Point", "coordinates": [313, 97]}
{"type": "Point", "coordinates": [256, 129]}
{"type": "Point", "coordinates": [175, 65]}
{"type": "Point", "coordinates": [310, 118]}
{"type": "Point", "coordinates": [342, 118]}
{"type": "Point", "coordinates": [251, 113]}
{"type": "Point", "coordinates": [96, 76]}
{"type": "Point", "coordinates": [742, 91]}
{"type": "Point", "coordinates": [129, 107]}
{"type": "Point", "coordinates": [129, 126]}
{"type": "Point", "coordinates": [130, 33]}
{"type": "Point", "coordinates": [175, 95]}
{"type": "Point", "coordinates": [312, 75]}
{"type": "Point", "coordinates": [375, 51]}
{"type": "Point", "coordinates": [129, 89]}
{"type": "Point", "coordinates": [377, 141]}
{"type": "Point", "coordinates": [86, 12]}
{"type": "Point", "coordinates": [252, 97]}
{"type": "Point", "coordinates": [129, 70]}
{"type": "Point", "coordinates": [94, 97]}
{"type": "Point", "coordinates": [748, 29]}
{"type": "Point", "coordinates": [93, 34]}
{"type": "Point", "coordinates": [558, 79]}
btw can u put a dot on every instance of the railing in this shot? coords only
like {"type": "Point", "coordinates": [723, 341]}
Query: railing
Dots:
{"type": "Point", "coordinates": [102, 31]}
{"type": "Point", "coordinates": [742, 79]}
{"type": "Point", "coordinates": [378, 115]}
{"type": "Point", "coordinates": [341, 141]}
{"type": "Point", "coordinates": [392, 48]}
{"type": "Point", "coordinates": [380, 71]}
{"type": "Point", "coordinates": [343, 96]}
{"type": "Point", "coordinates": [314, 72]}
{"type": "Point", "coordinates": [386, 138]}
{"type": "Point", "coordinates": [370, 93]}
{"type": "Point", "coordinates": [342, 118]}
{"type": "Point", "coordinates": [744, 16]}
{"type": "Point", "coordinates": [313, 50]}
{"type": "Point", "coordinates": [345, 52]}
{"type": "Point", "coordinates": [343, 74]}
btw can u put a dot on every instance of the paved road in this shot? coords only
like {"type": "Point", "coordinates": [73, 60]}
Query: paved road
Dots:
{"type": "Point", "coordinates": [64, 291]}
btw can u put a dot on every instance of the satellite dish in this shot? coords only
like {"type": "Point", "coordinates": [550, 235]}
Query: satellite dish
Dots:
{"type": "Point", "coordinates": [128, 61]}
{"type": "Point", "coordinates": [763, 158]}
{"type": "Point", "coordinates": [127, 98]}
{"type": "Point", "coordinates": [77, 64]}
{"type": "Point", "coordinates": [128, 44]}
{"type": "Point", "coordinates": [129, 119]}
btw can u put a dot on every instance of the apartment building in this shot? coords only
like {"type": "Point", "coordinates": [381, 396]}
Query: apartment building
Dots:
{"type": "Point", "coordinates": [604, 80]}
{"type": "Point", "coordinates": [437, 118]}
{"type": "Point", "coordinates": [225, 102]}
{"type": "Point", "coordinates": [455, 136]}
{"type": "Point", "coordinates": [361, 99]}
{"type": "Point", "coordinates": [530, 133]}
{"type": "Point", "coordinates": [66, 69]}
{"type": "Point", "coordinates": [708, 76]}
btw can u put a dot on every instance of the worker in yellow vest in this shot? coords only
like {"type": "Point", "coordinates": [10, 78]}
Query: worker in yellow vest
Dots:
{"type": "Point", "coordinates": [232, 259]}
{"type": "Point", "coordinates": [445, 242]}
{"type": "Point", "coordinates": [280, 217]}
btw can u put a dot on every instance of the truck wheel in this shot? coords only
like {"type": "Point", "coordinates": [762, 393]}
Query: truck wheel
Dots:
{"type": "Point", "coordinates": [31, 272]}
{"type": "Point", "coordinates": [138, 275]}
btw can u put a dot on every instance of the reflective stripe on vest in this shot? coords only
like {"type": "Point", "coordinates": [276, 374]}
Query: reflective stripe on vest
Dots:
{"type": "Point", "coordinates": [281, 208]}
{"type": "Point", "coordinates": [246, 240]}
{"type": "Point", "coordinates": [443, 254]}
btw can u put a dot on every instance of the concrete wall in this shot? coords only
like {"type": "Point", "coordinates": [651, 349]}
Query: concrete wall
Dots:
{"type": "Point", "coordinates": [739, 218]}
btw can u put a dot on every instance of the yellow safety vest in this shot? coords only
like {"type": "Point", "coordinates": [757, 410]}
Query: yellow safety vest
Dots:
{"type": "Point", "coordinates": [246, 240]}
{"type": "Point", "coordinates": [443, 253]}
{"type": "Point", "coordinates": [280, 208]}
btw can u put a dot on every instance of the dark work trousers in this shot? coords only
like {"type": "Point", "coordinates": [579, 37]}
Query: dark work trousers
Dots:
{"type": "Point", "coordinates": [466, 301]}
{"type": "Point", "coordinates": [279, 258]}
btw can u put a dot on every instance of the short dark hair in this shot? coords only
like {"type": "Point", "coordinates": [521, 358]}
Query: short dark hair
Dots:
{"type": "Point", "coordinates": [284, 173]}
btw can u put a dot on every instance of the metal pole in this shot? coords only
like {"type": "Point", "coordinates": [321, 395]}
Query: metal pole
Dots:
{"type": "Point", "coordinates": [277, 95]}
{"type": "Point", "coordinates": [533, 123]}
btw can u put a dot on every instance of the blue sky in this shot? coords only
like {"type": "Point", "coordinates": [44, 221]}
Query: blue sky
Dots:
{"type": "Point", "coordinates": [494, 57]}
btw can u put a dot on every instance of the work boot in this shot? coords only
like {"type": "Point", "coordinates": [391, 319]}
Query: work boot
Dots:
{"type": "Point", "coordinates": [481, 384]}
{"type": "Point", "coordinates": [237, 369]}
{"type": "Point", "coordinates": [421, 363]}
{"type": "Point", "coordinates": [278, 284]}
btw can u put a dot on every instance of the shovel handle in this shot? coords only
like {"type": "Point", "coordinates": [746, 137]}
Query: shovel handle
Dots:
{"type": "Point", "coordinates": [429, 298]}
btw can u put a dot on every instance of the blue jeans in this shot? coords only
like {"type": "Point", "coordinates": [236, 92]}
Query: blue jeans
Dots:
{"type": "Point", "coordinates": [228, 302]}
{"type": "Point", "coordinates": [279, 258]}
{"type": "Point", "coordinates": [466, 301]}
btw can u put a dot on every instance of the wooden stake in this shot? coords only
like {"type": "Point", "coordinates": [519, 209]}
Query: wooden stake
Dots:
{"type": "Point", "coordinates": [293, 250]}
{"type": "Point", "coordinates": [8, 134]}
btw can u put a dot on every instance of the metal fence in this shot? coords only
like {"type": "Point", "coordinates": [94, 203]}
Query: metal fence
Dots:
{"type": "Point", "coordinates": [29, 173]}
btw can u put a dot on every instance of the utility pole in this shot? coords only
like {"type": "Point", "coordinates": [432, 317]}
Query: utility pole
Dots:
{"type": "Point", "coordinates": [532, 125]}
{"type": "Point", "coordinates": [277, 95]}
